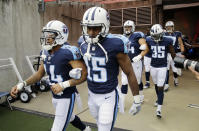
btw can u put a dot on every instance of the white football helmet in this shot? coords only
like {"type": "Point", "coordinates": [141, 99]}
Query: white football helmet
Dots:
{"type": "Point", "coordinates": [169, 26]}
{"type": "Point", "coordinates": [127, 24]}
{"type": "Point", "coordinates": [54, 29]}
{"type": "Point", "coordinates": [95, 16]}
{"type": "Point", "coordinates": [156, 32]}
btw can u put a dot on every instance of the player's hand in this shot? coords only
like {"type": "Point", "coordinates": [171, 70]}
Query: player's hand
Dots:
{"type": "Point", "coordinates": [75, 73]}
{"type": "Point", "coordinates": [137, 58]}
{"type": "Point", "coordinates": [14, 91]}
{"type": "Point", "coordinates": [135, 108]}
{"type": "Point", "coordinates": [56, 88]}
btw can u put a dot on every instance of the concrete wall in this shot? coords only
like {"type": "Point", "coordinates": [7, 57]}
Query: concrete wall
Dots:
{"type": "Point", "coordinates": [19, 36]}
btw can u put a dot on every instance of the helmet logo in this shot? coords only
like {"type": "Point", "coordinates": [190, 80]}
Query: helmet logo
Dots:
{"type": "Point", "coordinates": [65, 30]}
{"type": "Point", "coordinates": [107, 16]}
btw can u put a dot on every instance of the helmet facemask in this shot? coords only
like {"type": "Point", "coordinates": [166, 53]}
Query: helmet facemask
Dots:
{"type": "Point", "coordinates": [169, 29]}
{"type": "Point", "coordinates": [53, 34]}
{"type": "Point", "coordinates": [128, 27]}
{"type": "Point", "coordinates": [169, 26]}
{"type": "Point", "coordinates": [127, 30]}
{"type": "Point", "coordinates": [156, 32]}
{"type": "Point", "coordinates": [48, 39]}
{"type": "Point", "coordinates": [157, 37]}
{"type": "Point", "coordinates": [98, 37]}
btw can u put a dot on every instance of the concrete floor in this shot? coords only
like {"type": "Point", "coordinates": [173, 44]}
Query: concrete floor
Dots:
{"type": "Point", "coordinates": [176, 116]}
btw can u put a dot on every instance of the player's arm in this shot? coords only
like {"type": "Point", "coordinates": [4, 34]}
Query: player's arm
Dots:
{"type": "Point", "coordinates": [126, 66]}
{"type": "Point", "coordinates": [31, 80]}
{"type": "Point", "coordinates": [143, 46]}
{"type": "Point", "coordinates": [181, 44]}
{"type": "Point", "coordinates": [76, 64]}
{"type": "Point", "coordinates": [172, 51]}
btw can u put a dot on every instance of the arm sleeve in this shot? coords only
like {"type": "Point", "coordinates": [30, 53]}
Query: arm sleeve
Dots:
{"type": "Point", "coordinates": [75, 53]}
{"type": "Point", "coordinates": [139, 35]}
{"type": "Point", "coordinates": [125, 45]}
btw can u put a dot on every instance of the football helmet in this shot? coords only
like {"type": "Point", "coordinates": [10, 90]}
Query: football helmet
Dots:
{"type": "Point", "coordinates": [156, 32]}
{"type": "Point", "coordinates": [56, 30]}
{"type": "Point", "coordinates": [131, 24]}
{"type": "Point", "coordinates": [95, 16]}
{"type": "Point", "coordinates": [169, 26]}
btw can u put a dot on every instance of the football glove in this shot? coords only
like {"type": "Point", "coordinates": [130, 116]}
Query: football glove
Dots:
{"type": "Point", "coordinates": [136, 107]}
{"type": "Point", "coordinates": [75, 73]}
{"type": "Point", "coordinates": [137, 58]}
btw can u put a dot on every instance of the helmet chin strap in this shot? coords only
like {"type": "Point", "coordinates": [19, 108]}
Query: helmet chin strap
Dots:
{"type": "Point", "coordinates": [88, 55]}
{"type": "Point", "coordinates": [49, 47]}
{"type": "Point", "coordinates": [105, 52]}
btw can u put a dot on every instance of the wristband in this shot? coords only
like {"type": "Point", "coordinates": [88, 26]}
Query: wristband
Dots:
{"type": "Point", "coordinates": [64, 84]}
{"type": "Point", "coordinates": [21, 85]}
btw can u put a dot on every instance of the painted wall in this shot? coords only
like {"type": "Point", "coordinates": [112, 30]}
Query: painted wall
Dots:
{"type": "Point", "coordinates": [19, 36]}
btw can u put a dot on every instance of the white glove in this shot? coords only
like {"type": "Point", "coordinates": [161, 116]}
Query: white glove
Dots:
{"type": "Point", "coordinates": [137, 58]}
{"type": "Point", "coordinates": [78, 101]}
{"type": "Point", "coordinates": [136, 107]}
{"type": "Point", "coordinates": [75, 73]}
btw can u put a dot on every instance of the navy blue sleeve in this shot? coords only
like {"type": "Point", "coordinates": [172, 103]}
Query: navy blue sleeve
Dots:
{"type": "Point", "coordinates": [80, 41]}
{"type": "Point", "coordinates": [120, 42]}
{"type": "Point", "coordinates": [72, 52]}
{"type": "Point", "coordinates": [139, 35]}
{"type": "Point", "coordinates": [178, 34]}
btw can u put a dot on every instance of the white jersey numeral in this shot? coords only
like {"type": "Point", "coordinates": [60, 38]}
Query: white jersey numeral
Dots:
{"type": "Point", "coordinates": [132, 50]}
{"type": "Point", "coordinates": [99, 74]}
{"type": "Point", "coordinates": [56, 78]}
{"type": "Point", "coordinates": [158, 51]}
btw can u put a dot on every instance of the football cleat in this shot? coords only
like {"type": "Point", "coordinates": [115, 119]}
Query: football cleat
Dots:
{"type": "Point", "coordinates": [166, 87]}
{"type": "Point", "coordinates": [158, 114]}
{"type": "Point", "coordinates": [175, 80]}
{"type": "Point", "coordinates": [147, 85]}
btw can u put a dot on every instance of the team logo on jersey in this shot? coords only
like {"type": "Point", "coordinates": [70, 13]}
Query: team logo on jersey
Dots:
{"type": "Point", "coordinates": [77, 54]}
{"type": "Point", "coordinates": [93, 48]}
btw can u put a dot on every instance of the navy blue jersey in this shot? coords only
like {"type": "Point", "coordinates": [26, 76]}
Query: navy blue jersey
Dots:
{"type": "Point", "coordinates": [159, 51]}
{"type": "Point", "coordinates": [102, 75]}
{"type": "Point", "coordinates": [134, 44]}
{"type": "Point", "coordinates": [57, 66]}
{"type": "Point", "coordinates": [176, 35]}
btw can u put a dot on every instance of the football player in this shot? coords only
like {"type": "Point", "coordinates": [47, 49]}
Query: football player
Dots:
{"type": "Point", "coordinates": [147, 64]}
{"type": "Point", "coordinates": [58, 61]}
{"type": "Point", "coordinates": [103, 53]}
{"type": "Point", "coordinates": [160, 46]}
{"type": "Point", "coordinates": [137, 50]}
{"type": "Point", "coordinates": [179, 50]}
